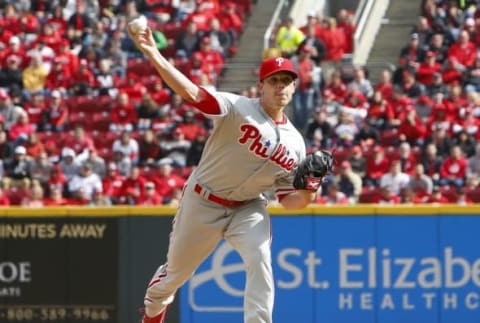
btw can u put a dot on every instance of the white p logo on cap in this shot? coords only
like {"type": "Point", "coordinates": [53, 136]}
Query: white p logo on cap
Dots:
{"type": "Point", "coordinates": [279, 61]}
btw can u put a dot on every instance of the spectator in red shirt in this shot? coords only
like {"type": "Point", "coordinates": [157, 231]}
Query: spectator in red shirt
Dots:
{"type": "Point", "coordinates": [160, 94]}
{"type": "Point", "coordinates": [211, 57]}
{"type": "Point", "coordinates": [437, 197]}
{"type": "Point", "coordinates": [380, 113]}
{"type": "Point", "coordinates": [59, 77]}
{"type": "Point", "coordinates": [196, 67]}
{"type": "Point", "coordinates": [312, 24]}
{"type": "Point", "coordinates": [334, 40]}
{"type": "Point", "coordinates": [56, 198]}
{"type": "Point", "coordinates": [439, 119]}
{"type": "Point", "coordinates": [386, 196]}
{"type": "Point", "coordinates": [57, 179]}
{"type": "Point", "coordinates": [35, 109]}
{"type": "Point", "coordinates": [230, 21]}
{"type": "Point", "coordinates": [21, 129]}
{"type": "Point", "coordinates": [34, 146]}
{"type": "Point", "coordinates": [453, 71]}
{"type": "Point", "coordinates": [15, 50]}
{"type": "Point", "coordinates": [27, 23]}
{"type": "Point", "coordinates": [411, 129]}
{"type": "Point", "coordinates": [51, 37]}
{"type": "Point", "coordinates": [463, 50]}
{"type": "Point", "coordinates": [83, 80]}
{"type": "Point", "coordinates": [57, 21]}
{"type": "Point", "coordinates": [337, 87]}
{"type": "Point", "coordinates": [150, 196]}
{"type": "Point", "coordinates": [68, 58]}
{"type": "Point", "coordinates": [124, 114]}
{"type": "Point", "coordinates": [201, 17]}
{"type": "Point", "coordinates": [133, 187]}
{"type": "Point", "coordinates": [134, 88]}
{"type": "Point", "coordinates": [4, 200]}
{"type": "Point", "coordinates": [377, 166]}
{"type": "Point", "coordinates": [56, 113]}
{"type": "Point", "coordinates": [112, 183]}
{"type": "Point", "coordinates": [385, 85]}
{"type": "Point", "coordinates": [166, 181]}
{"type": "Point", "coordinates": [347, 25]}
{"type": "Point", "coordinates": [190, 127]}
{"type": "Point", "coordinates": [5, 34]}
{"type": "Point", "coordinates": [427, 68]}
{"type": "Point", "coordinates": [79, 141]}
{"type": "Point", "coordinates": [453, 170]}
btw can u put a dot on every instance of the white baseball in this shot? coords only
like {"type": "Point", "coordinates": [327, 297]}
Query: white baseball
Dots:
{"type": "Point", "coordinates": [138, 24]}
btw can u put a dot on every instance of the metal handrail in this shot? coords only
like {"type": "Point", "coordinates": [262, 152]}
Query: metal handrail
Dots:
{"type": "Point", "coordinates": [268, 32]}
{"type": "Point", "coordinates": [361, 15]}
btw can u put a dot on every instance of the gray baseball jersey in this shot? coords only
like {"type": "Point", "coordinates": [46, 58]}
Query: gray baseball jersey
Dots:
{"type": "Point", "coordinates": [247, 154]}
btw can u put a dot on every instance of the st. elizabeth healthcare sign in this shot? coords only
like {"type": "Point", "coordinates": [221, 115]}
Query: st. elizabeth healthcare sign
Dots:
{"type": "Point", "coordinates": [354, 265]}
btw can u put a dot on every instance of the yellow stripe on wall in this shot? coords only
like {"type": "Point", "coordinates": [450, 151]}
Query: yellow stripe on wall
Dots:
{"type": "Point", "coordinates": [364, 209]}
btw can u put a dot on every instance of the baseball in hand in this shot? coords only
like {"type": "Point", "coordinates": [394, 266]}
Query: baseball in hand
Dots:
{"type": "Point", "coordinates": [138, 24]}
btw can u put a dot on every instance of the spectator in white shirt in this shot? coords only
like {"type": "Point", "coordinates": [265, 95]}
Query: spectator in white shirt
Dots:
{"type": "Point", "coordinates": [395, 179]}
{"type": "Point", "coordinates": [86, 180]}
{"type": "Point", "coordinates": [127, 145]}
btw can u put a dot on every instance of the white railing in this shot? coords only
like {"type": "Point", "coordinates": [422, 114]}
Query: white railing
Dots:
{"type": "Point", "coordinates": [361, 15]}
{"type": "Point", "coordinates": [273, 22]}
{"type": "Point", "coordinates": [368, 18]}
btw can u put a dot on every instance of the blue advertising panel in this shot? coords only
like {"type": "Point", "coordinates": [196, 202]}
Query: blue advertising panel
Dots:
{"type": "Point", "coordinates": [359, 268]}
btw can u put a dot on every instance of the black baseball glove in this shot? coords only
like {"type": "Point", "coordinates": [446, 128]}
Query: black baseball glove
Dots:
{"type": "Point", "coordinates": [310, 171]}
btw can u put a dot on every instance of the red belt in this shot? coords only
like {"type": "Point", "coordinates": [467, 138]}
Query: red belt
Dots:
{"type": "Point", "coordinates": [216, 199]}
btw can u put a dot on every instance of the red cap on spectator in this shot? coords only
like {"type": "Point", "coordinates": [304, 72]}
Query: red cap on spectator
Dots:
{"type": "Point", "coordinates": [3, 94]}
{"type": "Point", "coordinates": [83, 62]}
{"type": "Point", "coordinates": [64, 42]}
{"type": "Point", "coordinates": [346, 164]}
{"type": "Point", "coordinates": [328, 94]}
{"type": "Point", "coordinates": [305, 48]}
{"type": "Point", "coordinates": [206, 40]}
{"type": "Point", "coordinates": [430, 54]}
{"type": "Point", "coordinates": [13, 59]}
{"type": "Point", "coordinates": [378, 149]}
{"type": "Point", "coordinates": [274, 65]}
{"type": "Point", "coordinates": [356, 149]}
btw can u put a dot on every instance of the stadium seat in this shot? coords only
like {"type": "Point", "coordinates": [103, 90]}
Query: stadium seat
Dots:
{"type": "Point", "coordinates": [449, 192]}
{"type": "Point", "coordinates": [368, 194]}
{"type": "Point", "coordinates": [388, 137]}
{"type": "Point", "coordinates": [100, 121]}
{"type": "Point", "coordinates": [474, 194]}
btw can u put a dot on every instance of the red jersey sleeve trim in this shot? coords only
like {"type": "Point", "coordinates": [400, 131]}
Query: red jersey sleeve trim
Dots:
{"type": "Point", "coordinates": [208, 104]}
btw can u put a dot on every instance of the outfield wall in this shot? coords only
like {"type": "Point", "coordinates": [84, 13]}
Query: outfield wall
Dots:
{"type": "Point", "coordinates": [355, 264]}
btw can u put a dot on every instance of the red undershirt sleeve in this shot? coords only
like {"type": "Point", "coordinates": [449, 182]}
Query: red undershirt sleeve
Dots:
{"type": "Point", "coordinates": [208, 104]}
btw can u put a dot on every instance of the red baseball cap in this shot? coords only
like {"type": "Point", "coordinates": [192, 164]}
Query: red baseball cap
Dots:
{"type": "Point", "coordinates": [274, 65]}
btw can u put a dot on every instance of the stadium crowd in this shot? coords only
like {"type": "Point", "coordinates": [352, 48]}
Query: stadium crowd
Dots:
{"type": "Point", "coordinates": [84, 121]}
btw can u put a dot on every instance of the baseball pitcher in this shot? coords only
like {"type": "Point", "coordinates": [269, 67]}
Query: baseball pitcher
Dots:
{"type": "Point", "coordinates": [252, 149]}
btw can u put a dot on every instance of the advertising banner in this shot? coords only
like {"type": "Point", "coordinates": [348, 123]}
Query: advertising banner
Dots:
{"type": "Point", "coordinates": [352, 269]}
{"type": "Point", "coordinates": [58, 269]}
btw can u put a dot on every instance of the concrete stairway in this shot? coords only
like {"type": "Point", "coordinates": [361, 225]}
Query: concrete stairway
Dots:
{"type": "Point", "coordinates": [399, 20]}
{"type": "Point", "coordinates": [240, 70]}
